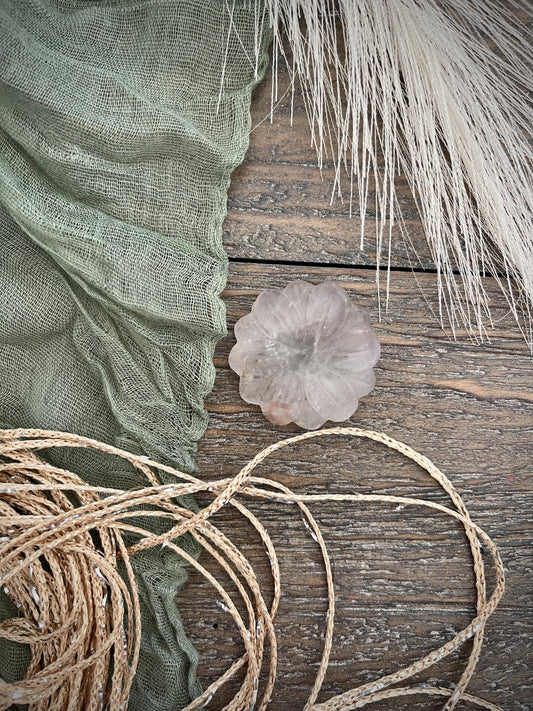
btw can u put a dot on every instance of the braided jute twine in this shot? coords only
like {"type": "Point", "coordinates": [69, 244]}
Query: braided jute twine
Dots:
{"type": "Point", "coordinates": [65, 565]}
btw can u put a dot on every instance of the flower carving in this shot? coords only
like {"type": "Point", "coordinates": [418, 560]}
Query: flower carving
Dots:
{"type": "Point", "coordinates": [305, 354]}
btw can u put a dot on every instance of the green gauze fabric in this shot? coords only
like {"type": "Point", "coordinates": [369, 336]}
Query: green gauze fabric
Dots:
{"type": "Point", "coordinates": [120, 123]}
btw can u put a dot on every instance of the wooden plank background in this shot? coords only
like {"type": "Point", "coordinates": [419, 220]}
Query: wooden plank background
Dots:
{"type": "Point", "coordinates": [403, 578]}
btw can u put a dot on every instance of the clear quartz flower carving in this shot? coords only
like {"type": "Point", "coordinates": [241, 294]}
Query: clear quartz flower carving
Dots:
{"type": "Point", "coordinates": [305, 354]}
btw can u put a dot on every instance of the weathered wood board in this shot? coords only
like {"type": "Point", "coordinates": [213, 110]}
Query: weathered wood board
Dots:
{"type": "Point", "coordinates": [281, 207]}
{"type": "Point", "coordinates": [403, 578]}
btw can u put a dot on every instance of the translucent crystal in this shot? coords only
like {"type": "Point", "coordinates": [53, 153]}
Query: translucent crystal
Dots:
{"type": "Point", "coordinates": [305, 354]}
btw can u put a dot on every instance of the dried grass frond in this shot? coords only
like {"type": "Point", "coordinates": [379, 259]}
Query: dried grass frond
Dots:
{"type": "Point", "coordinates": [438, 91]}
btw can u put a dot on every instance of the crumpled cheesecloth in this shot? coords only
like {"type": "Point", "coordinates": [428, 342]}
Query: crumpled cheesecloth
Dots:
{"type": "Point", "coordinates": [120, 124]}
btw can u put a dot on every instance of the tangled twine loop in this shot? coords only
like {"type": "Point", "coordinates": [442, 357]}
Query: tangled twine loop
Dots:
{"type": "Point", "coordinates": [62, 541]}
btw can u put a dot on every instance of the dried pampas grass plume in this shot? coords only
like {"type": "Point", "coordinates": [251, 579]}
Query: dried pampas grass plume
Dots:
{"type": "Point", "coordinates": [438, 91]}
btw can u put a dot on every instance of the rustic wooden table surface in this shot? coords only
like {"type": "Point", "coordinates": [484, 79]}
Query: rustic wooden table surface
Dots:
{"type": "Point", "coordinates": [403, 579]}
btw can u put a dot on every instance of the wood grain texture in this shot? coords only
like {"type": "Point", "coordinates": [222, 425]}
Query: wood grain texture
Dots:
{"type": "Point", "coordinates": [403, 578]}
{"type": "Point", "coordinates": [281, 206]}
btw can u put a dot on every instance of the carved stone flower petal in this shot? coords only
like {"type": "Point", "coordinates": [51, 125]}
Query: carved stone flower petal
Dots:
{"type": "Point", "coordinates": [305, 354]}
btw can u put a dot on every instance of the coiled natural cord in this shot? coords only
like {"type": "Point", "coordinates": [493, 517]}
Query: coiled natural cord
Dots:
{"type": "Point", "coordinates": [65, 564]}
